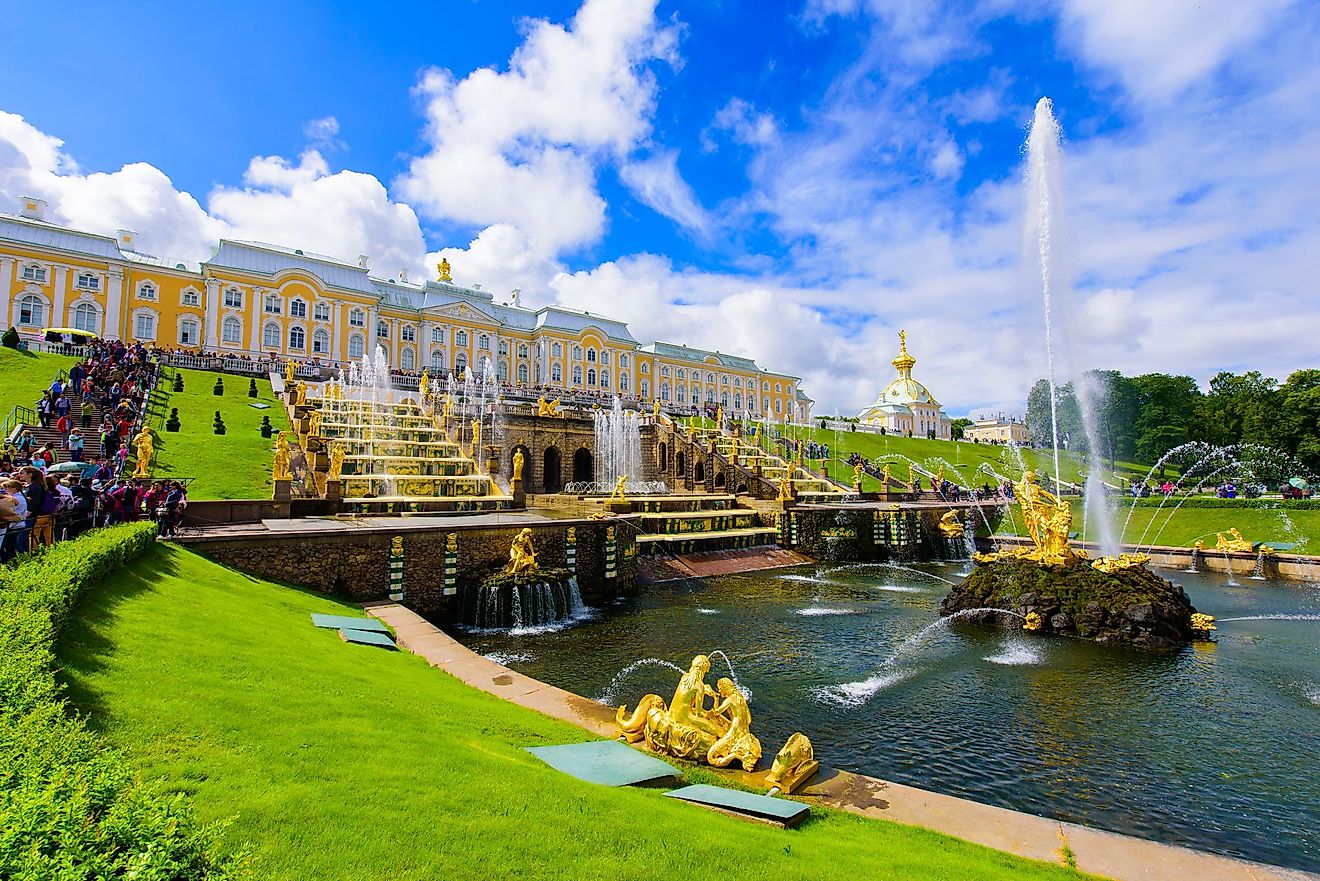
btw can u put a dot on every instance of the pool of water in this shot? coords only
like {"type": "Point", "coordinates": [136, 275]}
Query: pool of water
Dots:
{"type": "Point", "coordinates": [1213, 747]}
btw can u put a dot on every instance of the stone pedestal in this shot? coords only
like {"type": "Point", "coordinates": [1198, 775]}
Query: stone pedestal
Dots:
{"type": "Point", "coordinates": [619, 507]}
{"type": "Point", "coordinates": [519, 494]}
{"type": "Point", "coordinates": [334, 489]}
{"type": "Point", "coordinates": [283, 490]}
{"type": "Point", "coordinates": [786, 504]}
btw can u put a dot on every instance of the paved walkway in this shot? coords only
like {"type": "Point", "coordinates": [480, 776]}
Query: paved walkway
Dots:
{"type": "Point", "coordinates": [1102, 853]}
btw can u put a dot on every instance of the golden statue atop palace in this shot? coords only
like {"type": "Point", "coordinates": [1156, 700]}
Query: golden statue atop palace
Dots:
{"type": "Point", "coordinates": [719, 734]}
{"type": "Point", "coordinates": [442, 270]}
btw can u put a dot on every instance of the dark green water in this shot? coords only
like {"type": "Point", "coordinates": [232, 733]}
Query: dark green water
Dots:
{"type": "Point", "coordinates": [1213, 747]}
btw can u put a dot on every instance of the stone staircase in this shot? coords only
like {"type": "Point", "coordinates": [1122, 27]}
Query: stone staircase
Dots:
{"type": "Point", "coordinates": [689, 524]}
{"type": "Point", "coordinates": [51, 435]}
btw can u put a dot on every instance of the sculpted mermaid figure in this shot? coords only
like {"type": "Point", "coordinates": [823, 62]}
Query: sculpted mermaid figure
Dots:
{"type": "Point", "coordinates": [689, 704]}
{"type": "Point", "coordinates": [738, 744]}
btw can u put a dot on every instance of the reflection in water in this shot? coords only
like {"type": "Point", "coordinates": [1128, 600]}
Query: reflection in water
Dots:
{"type": "Point", "coordinates": [1212, 746]}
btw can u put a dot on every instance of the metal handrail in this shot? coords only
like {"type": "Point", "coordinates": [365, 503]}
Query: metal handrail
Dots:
{"type": "Point", "coordinates": [18, 417]}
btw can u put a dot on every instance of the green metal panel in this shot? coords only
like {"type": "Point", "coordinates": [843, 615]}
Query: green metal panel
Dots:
{"type": "Point", "coordinates": [607, 762]}
{"type": "Point", "coordinates": [335, 622]}
{"type": "Point", "coordinates": [367, 637]}
{"type": "Point", "coordinates": [780, 809]}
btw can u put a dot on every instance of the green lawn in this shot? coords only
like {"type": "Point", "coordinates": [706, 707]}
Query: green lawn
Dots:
{"type": "Point", "coordinates": [1187, 524]}
{"type": "Point", "coordinates": [235, 465]}
{"type": "Point", "coordinates": [25, 375]}
{"type": "Point", "coordinates": [339, 761]}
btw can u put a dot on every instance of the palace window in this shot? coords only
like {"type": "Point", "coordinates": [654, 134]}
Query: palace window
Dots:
{"type": "Point", "coordinates": [680, 373]}
{"type": "Point", "coordinates": [297, 308]}
{"type": "Point", "coordinates": [778, 387]}
{"type": "Point", "coordinates": [724, 399]}
{"type": "Point", "coordinates": [737, 401]}
{"type": "Point", "coordinates": [503, 372]}
{"type": "Point", "coordinates": [357, 318]}
{"type": "Point", "coordinates": [522, 373]}
{"type": "Point", "coordinates": [274, 305]}
{"type": "Point", "coordinates": [437, 359]}
{"type": "Point", "coordinates": [522, 351]}
{"type": "Point", "coordinates": [33, 272]}
{"type": "Point", "coordinates": [646, 388]}
{"type": "Point", "coordinates": [664, 371]}
{"type": "Point", "coordinates": [188, 332]}
{"type": "Point", "coordinates": [408, 333]}
{"type": "Point", "coordinates": [270, 336]}
{"type": "Point", "coordinates": [31, 309]}
{"type": "Point", "coordinates": [407, 360]}
{"type": "Point", "coordinates": [604, 356]}
{"type": "Point", "coordinates": [460, 338]}
{"type": "Point", "coordinates": [646, 368]}
{"type": "Point", "coordinates": [144, 326]}
{"type": "Point", "coordinates": [623, 360]}
{"type": "Point", "coordinates": [297, 338]}
{"type": "Point", "coordinates": [737, 382]}
{"type": "Point", "coordinates": [710, 377]}
{"type": "Point", "coordinates": [724, 379]}
{"type": "Point", "coordinates": [577, 353]}
{"type": "Point", "coordinates": [778, 408]}
{"type": "Point", "coordinates": [623, 382]}
{"type": "Point", "coordinates": [438, 335]}
{"type": "Point", "coordinates": [357, 346]}
{"type": "Point", "coordinates": [233, 298]}
{"type": "Point", "coordinates": [504, 347]}
{"type": "Point", "coordinates": [751, 403]}
{"type": "Point", "coordinates": [664, 391]}
{"type": "Point", "coordinates": [483, 342]}
{"type": "Point", "coordinates": [604, 379]}
{"type": "Point", "coordinates": [89, 282]}
{"type": "Point", "coordinates": [232, 330]}
{"type": "Point", "coordinates": [765, 387]}
{"type": "Point", "coordinates": [591, 376]}
{"type": "Point", "coordinates": [556, 374]}
{"type": "Point", "coordinates": [591, 355]}
{"type": "Point", "coordinates": [382, 330]}
{"type": "Point", "coordinates": [460, 362]}
{"type": "Point", "coordinates": [85, 317]}
{"type": "Point", "coordinates": [557, 350]}
{"type": "Point", "coordinates": [146, 291]}
{"type": "Point", "coordinates": [190, 297]}
{"type": "Point", "coordinates": [577, 374]}
{"type": "Point", "coordinates": [682, 393]}
{"type": "Point", "coordinates": [321, 311]}
{"type": "Point", "coordinates": [320, 343]}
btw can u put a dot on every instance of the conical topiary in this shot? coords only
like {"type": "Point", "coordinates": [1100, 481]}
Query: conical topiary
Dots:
{"type": "Point", "coordinates": [266, 427]}
{"type": "Point", "coordinates": [172, 424]}
{"type": "Point", "coordinates": [252, 387]}
{"type": "Point", "coordinates": [178, 380]}
{"type": "Point", "coordinates": [219, 425]}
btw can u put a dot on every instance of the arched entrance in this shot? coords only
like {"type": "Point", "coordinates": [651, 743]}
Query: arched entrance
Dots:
{"type": "Point", "coordinates": [552, 481]}
{"type": "Point", "coordinates": [527, 464]}
{"type": "Point", "coordinates": [662, 456]}
{"type": "Point", "coordinates": [583, 469]}
{"type": "Point", "coordinates": [681, 461]}
{"type": "Point", "coordinates": [719, 480]}
{"type": "Point", "coordinates": [699, 473]}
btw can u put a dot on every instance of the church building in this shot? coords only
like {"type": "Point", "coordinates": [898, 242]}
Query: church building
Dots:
{"type": "Point", "coordinates": [906, 407]}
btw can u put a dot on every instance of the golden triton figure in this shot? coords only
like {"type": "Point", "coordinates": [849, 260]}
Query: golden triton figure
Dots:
{"type": "Point", "coordinates": [795, 763]}
{"type": "Point", "coordinates": [1232, 541]}
{"type": "Point", "coordinates": [619, 486]}
{"type": "Point", "coordinates": [950, 526]}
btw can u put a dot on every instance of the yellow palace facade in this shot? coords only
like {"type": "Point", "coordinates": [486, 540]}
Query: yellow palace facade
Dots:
{"type": "Point", "coordinates": [262, 300]}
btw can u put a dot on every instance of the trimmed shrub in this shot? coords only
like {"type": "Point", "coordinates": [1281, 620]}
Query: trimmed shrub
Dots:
{"type": "Point", "coordinates": [70, 807]}
{"type": "Point", "coordinates": [1154, 501]}
{"type": "Point", "coordinates": [9, 339]}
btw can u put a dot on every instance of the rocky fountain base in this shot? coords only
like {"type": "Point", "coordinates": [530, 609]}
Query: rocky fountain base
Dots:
{"type": "Point", "coordinates": [533, 599]}
{"type": "Point", "coordinates": [1131, 606]}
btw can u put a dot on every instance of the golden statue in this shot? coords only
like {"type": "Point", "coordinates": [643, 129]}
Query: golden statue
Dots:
{"type": "Point", "coordinates": [950, 526]}
{"type": "Point", "coordinates": [719, 418]}
{"type": "Point", "coordinates": [795, 763]}
{"type": "Point", "coordinates": [522, 556]}
{"type": "Point", "coordinates": [884, 476]}
{"type": "Point", "coordinates": [1203, 623]}
{"type": "Point", "coordinates": [443, 269]}
{"type": "Point", "coordinates": [785, 490]}
{"type": "Point", "coordinates": [476, 438]}
{"type": "Point", "coordinates": [939, 477]}
{"type": "Point", "coordinates": [300, 392]}
{"type": "Point", "coordinates": [451, 543]}
{"type": "Point", "coordinates": [857, 475]}
{"type": "Point", "coordinates": [619, 486]}
{"type": "Point", "coordinates": [1121, 562]}
{"type": "Point", "coordinates": [424, 385]}
{"type": "Point", "coordinates": [655, 409]}
{"type": "Point", "coordinates": [336, 461]}
{"type": "Point", "coordinates": [719, 735]}
{"type": "Point", "coordinates": [314, 423]}
{"type": "Point", "coordinates": [518, 461]}
{"type": "Point", "coordinates": [283, 456]}
{"type": "Point", "coordinates": [547, 409]}
{"type": "Point", "coordinates": [1232, 542]}
{"type": "Point", "coordinates": [288, 372]}
{"type": "Point", "coordinates": [146, 451]}
{"type": "Point", "coordinates": [1033, 621]}
{"type": "Point", "coordinates": [1048, 519]}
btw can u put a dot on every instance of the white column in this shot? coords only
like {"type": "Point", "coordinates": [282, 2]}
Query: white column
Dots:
{"type": "Point", "coordinates": [213, 314]}
{"type": "Point", "coordinates": [114, 295]}
{"type": "Point", "coordinates": [6, 276]}
{"type": "Point", "coordinates": [57, 301]}
{"type": "Point", "coordinates": [372, 318]}
{"type": "Point", "coordinates": [338, 315]}
{"type": "Point", "coordinates": [256, 301]}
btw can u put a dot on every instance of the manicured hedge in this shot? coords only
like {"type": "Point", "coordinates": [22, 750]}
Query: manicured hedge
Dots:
{"type": "Point", "coordinates": [70, 807]}
{"type": "Point", "coordinates": [1154, 501]}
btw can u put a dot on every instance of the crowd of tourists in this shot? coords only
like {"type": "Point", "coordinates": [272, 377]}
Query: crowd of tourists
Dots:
{"type": "Point", "coordinates": [41, 504]}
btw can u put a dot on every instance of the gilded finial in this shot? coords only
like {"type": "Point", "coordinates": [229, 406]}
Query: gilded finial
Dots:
{"type": "Point", "coordinates": [443, 267]}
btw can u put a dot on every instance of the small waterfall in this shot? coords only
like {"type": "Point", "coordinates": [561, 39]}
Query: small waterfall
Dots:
{"type": "Point", "coordinates": [504, 604]}
{"type": "Point", "coordinates": [1195, 564]}
{"type": "Point", "coordinates": [1228, 563]}
{"type": "Point", "coordinates": [1258, 573]}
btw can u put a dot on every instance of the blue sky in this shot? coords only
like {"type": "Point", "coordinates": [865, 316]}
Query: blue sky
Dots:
{"type": "Point", "coordinates": [793, 181]}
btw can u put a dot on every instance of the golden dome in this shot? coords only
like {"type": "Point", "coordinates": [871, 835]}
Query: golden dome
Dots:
{"type": "Point", "coordinates": [903, 362]}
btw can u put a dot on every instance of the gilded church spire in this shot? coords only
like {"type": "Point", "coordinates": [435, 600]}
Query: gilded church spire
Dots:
{"type": "Point", "coordinates": [904, 362]}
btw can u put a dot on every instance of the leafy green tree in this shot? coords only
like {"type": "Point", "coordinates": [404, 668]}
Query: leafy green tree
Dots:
{"type": "Point", "coordinates": [1239, 409]}
{"type": "Point", "coordinates": [1072, 433]}
{"type": "Point", "coordinates": [9, 339]}
{"type": "Point", "coordinates": [1295, 423]}
{"type": "Point", "coordinates": [1169, 406]}
{"type": "Point", "coordinates": [1117, 404]}
{"type": "Point", "coordinates": [957, 427]}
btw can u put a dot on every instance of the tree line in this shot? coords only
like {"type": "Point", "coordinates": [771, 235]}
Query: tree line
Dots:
{"type": "Point", "coordinates": [1141, 418]}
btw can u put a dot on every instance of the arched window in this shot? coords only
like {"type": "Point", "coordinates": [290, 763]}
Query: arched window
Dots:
{"type": "Point", "coordinates": [504, 347]}
{"type": "Point", "coordinates": [273, 304]}
{"type": "Point", "coordinates": [664, 371]}
{"type": "Point", "coordinates": [408, 333]}
{"type": "Point", "coordinates": [88, 282]}
{"type": "Point", "coordinates": [190, 297]}
{"type": "Point", "coordinates": [737, 401]}
{"type": "Point", "coordinates": [724, 399]}
{"type": "Point", "coordinates": [357, 346]}
{"type": "Point", "coordinates": [189, 330]}
{"type": "Point", "coordinates": [270, 336]}
{"type": "Point", "coordinates": [231, 331]}
{"type": "Point", "coordinates": [357, 318]}
{"type": "Point", "coordinates": [577, 374]}
{"type": "Point", "coordinates": [146, 291]}
{"type": "Point", "coordinates": [85, 317]}
{"type": "Point", "coordinates": [604, 356]}
{"type": "Point", "coordinates": [437, 359]}
{"type": "Point", "coordinates": [297, 338]}
{"type": "Point", "coordinates": [591, 376]}
{"type": "Point", "coordinates": [522, 373]}
{"type": "Point", "coordinates": [604, 379]}
{"type": "Point", "coordinates": [577, 353]}
{"type": "Point", "coordinates": [483, 342]}
{"type": "Point", "coordinates": [31, 310]}
{"type": "Point", "coordinates": [522, 351]}
{"type": "Point", "coordinates": [438, 334]}
{"type": "Point", "coordinates": [646, 368]}
{"type": "Point", "coordinates": [297, 308]}
{"type": "Point", "coordinates": [382, 330]}
{"type": "Point", "coordinates": [664, 391]}
{"type": "Point", "coordinates": [33, 272]}
{"type": "Point", "coordinates": [682, 393]}
{"type": "Point", "coordinates": [407, 360]}
{"type": "Point", "coordinates": [460, 338]}
{"type": "Point", "coordinates": [321, 311]}
{"type": "Point", "coordinates": [623, 359]}
{"type": "Point", "coordinates": [751, 403]}
{"type": "Point", "coordinates": [460, 362]}
{"type": "Point", "coordinates": [320, 343]}
{"type": "Point", "coordinates": [557, 350]}
{"type": "Point", "coordinates": [623, 382]}
{"type": "Point", "coordinates": [233, 298]}
{"type": "Point", "coordinates": [765, 404]}
{"type": "Point", "coordinates": [680, 373]}
{"type": "Point", "coordinates": [778, 387]}
{"type": "Point", "coordinates": [503, 372]}
{"type": "Point", "coordinates": [591, 355]}
{"type": "Point", "coordinates": [556, 374]}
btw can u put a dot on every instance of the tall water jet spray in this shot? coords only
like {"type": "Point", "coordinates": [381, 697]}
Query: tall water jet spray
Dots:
{"type": "Point", "coordinates": [1044, 234]}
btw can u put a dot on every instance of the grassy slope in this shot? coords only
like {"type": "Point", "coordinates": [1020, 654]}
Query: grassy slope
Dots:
{"type": "Point", "coordinates": [25, 375]}
{"type": "Point", "coordinates": [1189, 524]}
{"type": "Point", "coordinates": [235, 465]}
{"type": "Point", "coordinates": [348, 762]}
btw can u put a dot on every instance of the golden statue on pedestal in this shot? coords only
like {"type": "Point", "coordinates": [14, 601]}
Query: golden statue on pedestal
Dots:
{"type": "Point", "coordinates": [522, 556]}
{"type": "Point", "coordinates": [619, 486]}
{"type": "Point", "coordinates": [146, 451]}
{"type": "Point", "coordinates": [1232, 542]}
{"type": "Point", "coordinates": [785, 490]}
{"type": "Point", "coordinates": [547, 409]}
{"type": "Point", "coordinates": [857, 476]}
{"type": "Point", "coordinates": [314, 423]}
{"type": "Point", "coordinates": [476, 439]}
{"type": "Point", "coordinates": [288, 372]}
{"type": "Point", "coordinates": [687, 729]}
{"type": "Point", "coordinates": [1048, 519]}
{"type": "Point", "coordinates": [795, 763]}
{"type": "Point", "coordinates": [950, 526]}
{"type": "Point", "coordinates": [300, 391]}
{"type": "Point", "coordinates": [884, 477]}
{"type": "Point", "coordinates": [424, 385]}
{"type": "Point", "coordinates": [442, 270]}
{"type": "Point", "coordinates": [655, 409]}
{"type": "Point", "coordinates": [518, 461]}
{"type": "Point", "coordinates": [336, 461]}
{"type": "Point", "coordinates": [283, 457]}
